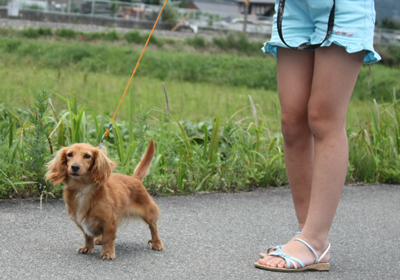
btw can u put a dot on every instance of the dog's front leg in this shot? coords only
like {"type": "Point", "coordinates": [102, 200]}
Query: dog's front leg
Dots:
{"type": "Point", "coordinates": [155, 240]}
{"type": "Point", "coordinates": [89, 245]}
{"type": "Point", "coordinates": [109, 235]}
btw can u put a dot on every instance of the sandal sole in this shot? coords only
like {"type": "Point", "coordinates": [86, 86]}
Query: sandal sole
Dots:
{"type": "Point", "coordinates": [314, 267]}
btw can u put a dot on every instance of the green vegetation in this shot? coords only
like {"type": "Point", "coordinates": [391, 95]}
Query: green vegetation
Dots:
{"type": "Point", "coordinates": [170, 14]}
{"type": "Point", "coordinates": [234, 70]}
{"type": "Point", "coordinates": [389, 23]}
{"type": "Point", "coordinates": [209, 140]}
{"type": "Point", "coordinates": [223, 155]}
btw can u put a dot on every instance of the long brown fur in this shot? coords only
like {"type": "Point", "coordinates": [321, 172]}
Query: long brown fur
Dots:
{"type": "Point", "coordinates": [98, 200]}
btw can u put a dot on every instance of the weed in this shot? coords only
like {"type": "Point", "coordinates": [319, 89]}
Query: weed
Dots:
{"type": "Point", "coordinates": [38, 142]}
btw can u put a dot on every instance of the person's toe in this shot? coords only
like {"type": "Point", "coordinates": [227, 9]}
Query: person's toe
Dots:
{"type": "Point", "coordinates": [277, 262]}
{"type": "Point", "coordinates": [262, 261]}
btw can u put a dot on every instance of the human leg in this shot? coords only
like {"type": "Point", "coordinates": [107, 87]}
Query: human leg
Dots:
{"type": "Point", "coordinates": [295, 70]}
{"type": "Point", "coordinates": [334, 77]}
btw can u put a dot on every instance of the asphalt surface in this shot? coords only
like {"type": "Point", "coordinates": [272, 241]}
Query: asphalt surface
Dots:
{"type": "Point", "coordinates": [212, 236]}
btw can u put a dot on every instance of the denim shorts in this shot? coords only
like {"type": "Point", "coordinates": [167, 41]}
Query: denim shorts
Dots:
{"type": "Point", "coordinates": [306, 21]}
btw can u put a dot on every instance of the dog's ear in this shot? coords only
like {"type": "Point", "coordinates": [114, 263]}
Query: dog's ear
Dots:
{"type": "Point", "coordinates": [57, 168]}
{"type": "Point", "coordinates": [102, 167]}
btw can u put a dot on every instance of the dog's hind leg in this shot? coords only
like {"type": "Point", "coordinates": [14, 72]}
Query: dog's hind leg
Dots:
{"type": "Point", "coordinates": [98, 240]}
{"type": "Point", "coordinates": [151, 219]}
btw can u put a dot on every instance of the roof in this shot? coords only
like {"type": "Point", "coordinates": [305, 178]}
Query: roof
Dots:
{"type": "Point", "coordinates": [272, 2]}
{"type": "Point", "coordinates": [231, 8]}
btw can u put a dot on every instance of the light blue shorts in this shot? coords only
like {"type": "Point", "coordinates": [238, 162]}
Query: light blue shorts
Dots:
{"type": "Point", "coordinates": [306, 21]}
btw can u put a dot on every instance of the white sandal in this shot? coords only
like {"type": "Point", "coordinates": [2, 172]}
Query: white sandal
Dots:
{"type": "Point", "coordinates": [317, 265]}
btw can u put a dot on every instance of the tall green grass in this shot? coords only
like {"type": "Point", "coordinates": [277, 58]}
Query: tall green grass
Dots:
{"type": "Point", "coordinates": [215, 155]}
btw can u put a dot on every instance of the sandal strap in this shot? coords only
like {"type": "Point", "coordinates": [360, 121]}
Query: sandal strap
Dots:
{"type": "Point", "coordinates": [317, 259]}
{"type": "Point", "coordinates": [269, 249]}
{"type": "Point", "coordinates": [288, 258]}
{"type": "Point", "coordinates": [326, 251]}
{"type": "Point", "coordinates": [274, 248]}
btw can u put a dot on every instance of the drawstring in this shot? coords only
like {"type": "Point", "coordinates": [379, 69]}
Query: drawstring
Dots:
{"type": "Point", "coordinates": [305, 47]}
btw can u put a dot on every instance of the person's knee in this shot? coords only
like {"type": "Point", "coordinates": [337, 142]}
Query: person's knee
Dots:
{"type": "Point", "coordinates": [322, 123]}
{"type": "Point", "coordinates": [294, 127]}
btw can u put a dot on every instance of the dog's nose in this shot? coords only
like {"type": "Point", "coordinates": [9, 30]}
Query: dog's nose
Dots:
{"type": "Point", "coordinates": [75, 167]}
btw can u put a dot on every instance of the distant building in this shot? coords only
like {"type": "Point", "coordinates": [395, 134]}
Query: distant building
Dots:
{"type": "Point", "coordinates": [215, 7]}
{"type": "Point", "coordinates": [259, 8]}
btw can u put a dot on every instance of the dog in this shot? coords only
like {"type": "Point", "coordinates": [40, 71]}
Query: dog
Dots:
{"type": "Point", "coordinates": [98, 200]}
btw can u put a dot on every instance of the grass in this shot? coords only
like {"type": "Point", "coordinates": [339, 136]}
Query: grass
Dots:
{"type": "Point", "coordinates": [211, 139]}
{"type": "Point", "coordinates": [169, 65]}
{"type": "Point", "coordinates": [214, 155]}
{"type": "Point", "coordinates": [194, 102]}
{"type": "Point", "coordinates": [101, 92]}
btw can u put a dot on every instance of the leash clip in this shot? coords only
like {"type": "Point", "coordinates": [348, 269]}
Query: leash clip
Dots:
{"type": "Point", "coordinates": [103, 139]}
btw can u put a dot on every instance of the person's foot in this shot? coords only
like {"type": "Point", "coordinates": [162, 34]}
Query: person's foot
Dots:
{"type": "Point", "coordinates": [298, 250]}
{"type": "Point", "coordinates": [265, 255]}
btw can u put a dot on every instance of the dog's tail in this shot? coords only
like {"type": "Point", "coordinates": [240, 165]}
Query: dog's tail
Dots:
{"type": "Point", "coordinates": [143, 168]}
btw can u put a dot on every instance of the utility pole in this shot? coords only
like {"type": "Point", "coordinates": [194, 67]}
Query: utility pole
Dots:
{"type": "Point", "coordinates": [246, 8]}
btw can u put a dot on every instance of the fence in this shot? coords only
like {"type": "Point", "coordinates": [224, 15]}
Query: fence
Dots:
{"type": "Point", "coordinates": [139, 12]}
{"type": "Point", "coordinates": [144, 13]}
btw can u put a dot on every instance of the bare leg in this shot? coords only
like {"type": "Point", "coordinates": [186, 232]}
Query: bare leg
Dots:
{"type": "Point", "coordinates": [295, 71]}
{"type": "Point", "coordinates": [334, 77]}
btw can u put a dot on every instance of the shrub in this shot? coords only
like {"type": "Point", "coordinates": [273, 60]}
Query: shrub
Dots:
{"type": "Point", "coordinates": [170, 14]}
{"type": "Point", "coordinates": [30, 33]}
{"type": "Point", "coordinates": [220, 42]}
{"type": "Point", "coordinates": [34, 7]}
{"type": "Point", "coordinates": [111, 36]}
{"type": "Point", "coordinates": [65, 33]}
{"type": "Point", "coordinates": [90, 36]}
{"type": "Point", "coordinates": [155, 40]}
{"type": "Point", "coordinates": [390, 55]}
{"type": "Point", "coordinates": [197, 42]}
{"type": "Point", "coordinates": [134, 36]}
{"type": "Point", "coordinates": [4, 31]}
{"type": "Point", "coordinates": [43, 31]}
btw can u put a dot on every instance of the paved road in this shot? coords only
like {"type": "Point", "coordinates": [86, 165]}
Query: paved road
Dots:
{"type": "Point", "coordinates": [213, 236]}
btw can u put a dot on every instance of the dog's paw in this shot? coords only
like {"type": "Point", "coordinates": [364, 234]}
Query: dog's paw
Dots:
{"type": "Point", "coordinates": [107, 256]}
{"type": "Point", "coordinates": [98, 241]}
{"type": "Point", "coordinates": [85, 250]}
{"type": "Point", "coordinates": [156, 245]}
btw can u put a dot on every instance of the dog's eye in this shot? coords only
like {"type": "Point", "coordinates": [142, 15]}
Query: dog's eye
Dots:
{"type": "Point", "coordinates": [86, 156]}
{"type": "Point", "coordinates": [69, 155]}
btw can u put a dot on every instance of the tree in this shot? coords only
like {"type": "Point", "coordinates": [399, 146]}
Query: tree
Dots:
{"type": "Point", "coordinates": [170, 14]}
{"type": "Point", "coordinates": [389, 23]}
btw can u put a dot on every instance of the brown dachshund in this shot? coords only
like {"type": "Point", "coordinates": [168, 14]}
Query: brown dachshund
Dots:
{"type": "Point", "coordinates": [98, 200]}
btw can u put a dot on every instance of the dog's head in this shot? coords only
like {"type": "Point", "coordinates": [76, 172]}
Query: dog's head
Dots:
{"type": "Point", "coordinates": [80, 162]}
